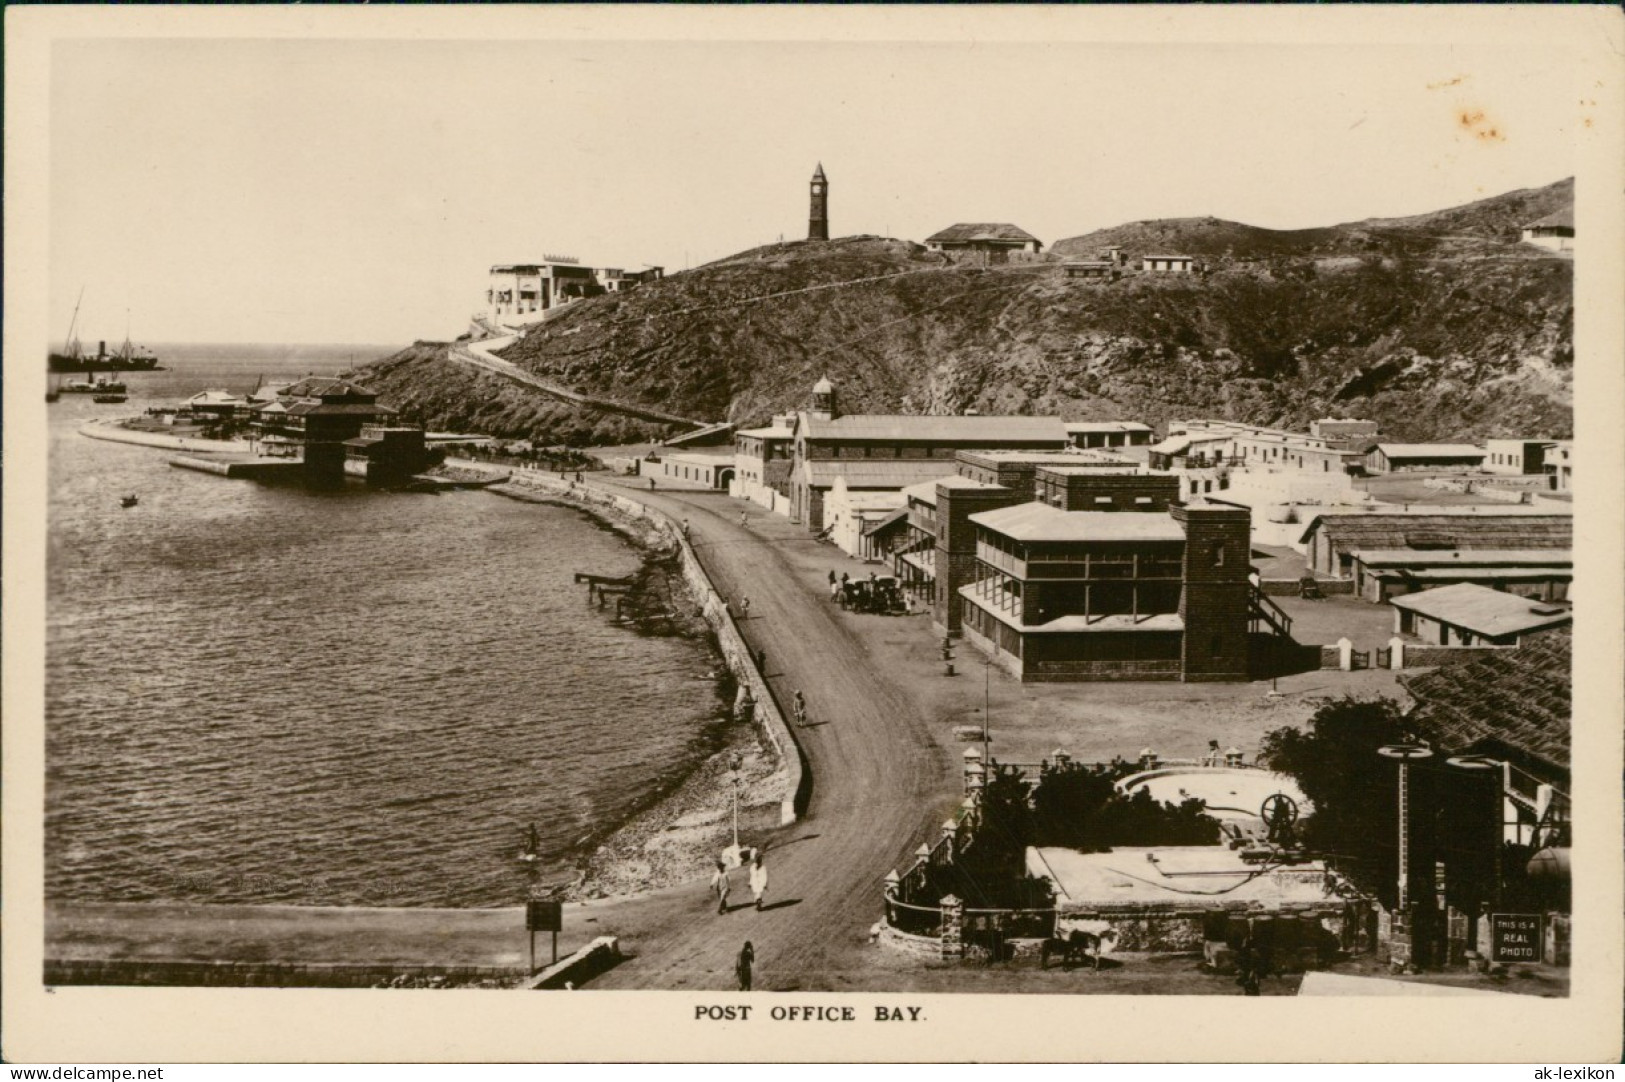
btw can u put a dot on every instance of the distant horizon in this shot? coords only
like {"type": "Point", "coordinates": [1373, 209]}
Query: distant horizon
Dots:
{"type": "Point", "coordinates": [367, 200]}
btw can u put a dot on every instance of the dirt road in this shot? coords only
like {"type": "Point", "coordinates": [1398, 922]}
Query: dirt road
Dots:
{"type": "Point", "coordinates": [880, 784]}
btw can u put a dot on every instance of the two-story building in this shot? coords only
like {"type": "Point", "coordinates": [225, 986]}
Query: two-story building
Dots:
{"type": "Point", "coordinates": [1118, 583]}
{"type": "Point", "coordinates": [875, 452]}
{"type": "Point", "coordinates": [762, 463]}
{"type": "Point", "coordinates": [313, 417]}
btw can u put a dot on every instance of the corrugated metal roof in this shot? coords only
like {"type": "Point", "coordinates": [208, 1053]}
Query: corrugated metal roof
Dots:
{"type": "Point", "coordinates": [1041, 522]}
{"type": "Point", "coordinates": [1482, 610]}
{"type": "Point", "coordinates": [1413, 557]}
{"type": "Point", "coordinates": [968, 231]}
{"type": "Point", "coordinates": [1521, 699]}
{"type": "Point", "coordinates": [875, 473]}
{"type": "Point", "coordinates": [908, 428]}
{"type": "Point", "coordinates": [1505, 528]}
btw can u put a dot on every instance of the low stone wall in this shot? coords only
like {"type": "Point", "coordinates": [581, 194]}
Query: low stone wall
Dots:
{"type": "Point", "coordinates": [150, 973]}
{"type": "Point", "coordinates": [736, 654]}
{"type": "Point", "coordinates": [1422, 657]}
{"type": "Point", "coordinates": [921, 946]}
{"type": "Point", "coordinates": [601, 954]}
{"type": "Point", "coordinates": [1294, 587]}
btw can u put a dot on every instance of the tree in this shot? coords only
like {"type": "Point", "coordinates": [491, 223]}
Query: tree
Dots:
{"type": "Point", "coordinates": [1080, 807]}
{"type": "Point", "coordinates": [1352, 789]}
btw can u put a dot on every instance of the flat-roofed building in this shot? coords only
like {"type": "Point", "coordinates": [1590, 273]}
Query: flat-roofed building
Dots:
{"type": "Point", "coordinates": [1092, 435]}
{"type": "Point", "coordinates": [1559, 466]}
{"type": "Point", "coordinates": [1467, 614]}
{"type": "Point", "coordinates": [762, 463]}
{"type": "Point", "coordinates": [1516, 456]}
{"type": "Point", "coordinates": [1168, 264]}
{"type": "Point", "coordinates": [1063, 594]}
{"type": "Point", "coordinates": [1407, 457]}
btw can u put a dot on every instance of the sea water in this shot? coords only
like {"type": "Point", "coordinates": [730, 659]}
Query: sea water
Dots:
{"type": "Point", "coordinates": [260, 693]}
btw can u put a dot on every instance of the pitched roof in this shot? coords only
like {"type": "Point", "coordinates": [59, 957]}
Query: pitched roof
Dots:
{"type": "Point", "coordinates": [1521, 699]}
{"type": "Point", "coordinates": [1564, 217]}
{"type": "Point", "coordinates": [896, 473]}
{"type": "Point", "coordinates": [773, 432]}
{"type": "Point", "coordinates": [1041, 522]}
{"type": "Point", "coordinates": [968, 231]}
{"type": "Point", "coordinates": [973, 430]}
{"type": "Point", "coordinates": [1502, 529]}
{"type": "Point", "coordinates": [1430, 450]}
{"type": "Point", "coordinates": [1484, 611]}
{"type": "Point", "coordinates": [326, 387]}
{"type": "Point", "coordinates": [894, 519]}
{"type": "Point", "coordinates": [337, 409]}
{"type": "Point", "coordinates": [926, 491]}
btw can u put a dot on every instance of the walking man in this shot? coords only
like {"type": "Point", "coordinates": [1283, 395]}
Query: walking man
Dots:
{"type": "Point", "coordinates": [651, 484]}
{"type": "Point", "coordinates": [801, 708]}
{"type": "Point", "coordinates": [744, 607]}
{"type": "Point", "coordinates": [720, 884]}
{"type": "Point", "coordinates": [742, 964]}
{"type": "Point", "coordinates": [758, 879]}
{"type": "Point", "coordinates": [744, 518]}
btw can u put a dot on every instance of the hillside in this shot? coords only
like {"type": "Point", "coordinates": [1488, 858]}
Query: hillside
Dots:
{"type": "Point", "coordinates": [1440, 326]}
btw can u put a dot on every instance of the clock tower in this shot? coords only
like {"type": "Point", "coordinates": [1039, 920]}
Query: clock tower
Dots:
{"type": "Point", "coordinates": [818, 216]}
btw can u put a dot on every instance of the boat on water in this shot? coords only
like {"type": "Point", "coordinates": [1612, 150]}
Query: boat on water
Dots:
{"type": "Point", "coordinates": [129, 501]}
{"type": "Point", "coordinates": [127, 358]}
{"type": "Point", "coordinates": [100, 386]}
{"type": "Point", "coordinates": [111, 399]}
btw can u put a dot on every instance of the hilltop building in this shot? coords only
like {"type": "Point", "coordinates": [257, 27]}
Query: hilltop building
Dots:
{"type": "Point", "coordinates": [1168, 264]}
{"type": "Point", "coordinates": [992, 242]}
{"type": "Point", "coordinates": [520, 294]}
{"type": "Point", "coordinates": [818, 212]}
{"type": "Point", "coordinates": [1555, 231]}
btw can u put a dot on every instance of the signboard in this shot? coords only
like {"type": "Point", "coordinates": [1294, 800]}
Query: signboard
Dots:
{"type": "Point", "coordinates": [544, 916]}
{"type": "Point", "coordinates": [1515, 937]}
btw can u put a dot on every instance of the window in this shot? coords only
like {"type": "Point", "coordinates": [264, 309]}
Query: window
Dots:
{"type": "Point", "coordinates": [1218, 554]}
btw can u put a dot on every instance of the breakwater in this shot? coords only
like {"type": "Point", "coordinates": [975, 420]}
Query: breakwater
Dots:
{"type": "Point", "coordinates": [530, 484]}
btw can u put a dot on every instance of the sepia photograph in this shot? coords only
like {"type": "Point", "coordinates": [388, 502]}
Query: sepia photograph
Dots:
{"type": "Point", "coordinates": [877, 519]}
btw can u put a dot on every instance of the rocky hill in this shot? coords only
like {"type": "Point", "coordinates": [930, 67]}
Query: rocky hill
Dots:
{"type": "Point", "coordinates": [1442, 326]}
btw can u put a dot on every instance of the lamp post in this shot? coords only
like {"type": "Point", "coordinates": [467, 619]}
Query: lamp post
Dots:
{"type": "Point", "coordinates": [987, 705]}
{"type": "Point", "coordinates": [734, 766]}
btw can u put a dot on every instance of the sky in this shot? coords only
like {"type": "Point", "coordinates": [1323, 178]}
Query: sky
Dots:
{"type": "Point", "coordinates": [308, 190]}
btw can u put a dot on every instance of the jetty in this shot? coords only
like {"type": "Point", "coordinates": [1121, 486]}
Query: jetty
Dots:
{"type": "Point", "coordinates": [242, 466]}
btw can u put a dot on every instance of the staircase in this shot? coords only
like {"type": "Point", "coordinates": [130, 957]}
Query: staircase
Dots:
{"type": "Point", "coordinates": [700, 435]}
{"type": "Point", "coordinates": [1265, 613]}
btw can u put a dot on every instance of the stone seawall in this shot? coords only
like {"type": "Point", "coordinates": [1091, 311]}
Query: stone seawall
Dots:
{"type": "Point", "coordinates": [736, 654]}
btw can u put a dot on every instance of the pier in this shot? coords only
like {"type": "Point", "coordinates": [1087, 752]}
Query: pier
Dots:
{"type": "Point", "coordinates": [242, 466]}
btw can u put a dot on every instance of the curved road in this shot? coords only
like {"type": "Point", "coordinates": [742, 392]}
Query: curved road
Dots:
{"type": "Point", "coordinates": [879, 784]}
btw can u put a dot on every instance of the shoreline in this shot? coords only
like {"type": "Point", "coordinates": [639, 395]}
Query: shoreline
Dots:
{"type": "Point", "coordinates": [676, 838]}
